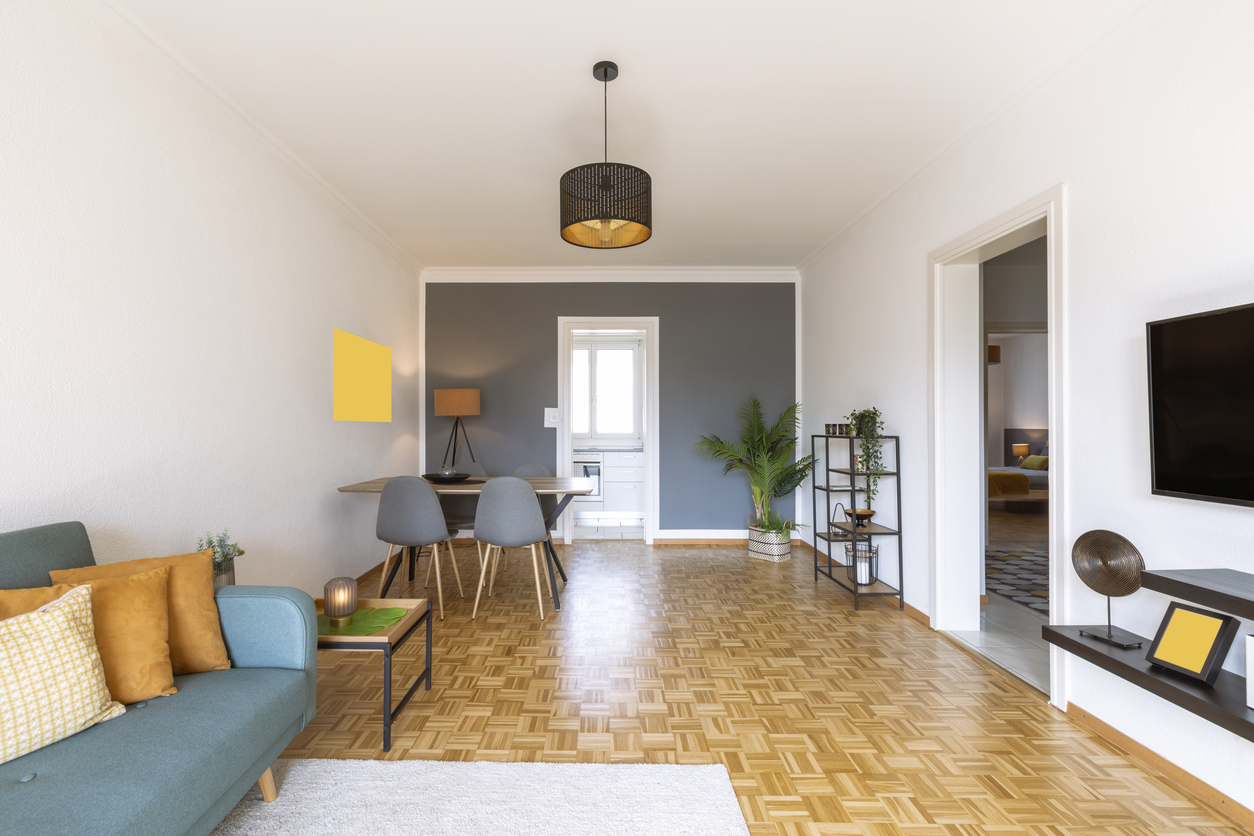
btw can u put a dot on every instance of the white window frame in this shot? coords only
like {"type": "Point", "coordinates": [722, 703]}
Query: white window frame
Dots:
{"type": "Point", "coordinates": [593, 343]}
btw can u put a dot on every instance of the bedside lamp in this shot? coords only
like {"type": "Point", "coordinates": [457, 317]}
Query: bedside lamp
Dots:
{"type": "Point", "coordinates": [340, 601]}
{"type": "Point", "coordinates": [1019, 450]}
{"type": "Point", "coordinates": [456, 403]}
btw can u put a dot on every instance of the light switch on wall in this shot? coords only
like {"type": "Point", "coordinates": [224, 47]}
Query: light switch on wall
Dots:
{"type": "Point", "coordinates": [551, 416]}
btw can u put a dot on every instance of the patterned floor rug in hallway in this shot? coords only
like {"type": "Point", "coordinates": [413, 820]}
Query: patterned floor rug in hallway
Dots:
{"type": "Point", "coordinates": [829, 720]}
{"type": "Point", "coordinates": [1020, 575]}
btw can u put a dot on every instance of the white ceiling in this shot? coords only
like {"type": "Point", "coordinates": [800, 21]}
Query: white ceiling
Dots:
{"type": "Point", "coordinates": [767, 126]}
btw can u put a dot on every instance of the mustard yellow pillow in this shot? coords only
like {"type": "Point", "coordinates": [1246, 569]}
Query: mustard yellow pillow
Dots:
{"type": "Point", "coordinates": [52, 684]}
{"type": "Point", "coordinates": [195, 633]}
{"type": "Point", "coordinates": [132, 634]}
{"type": "Point", "coordinates": [1029, 463]}
{"type": "Point", "coordinates": [19, 601]}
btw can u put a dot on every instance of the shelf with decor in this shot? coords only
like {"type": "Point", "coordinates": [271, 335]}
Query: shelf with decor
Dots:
{"type": "Point", "coordinates": [1226, 702]}
{"type": "Point", "coordinates": [856, 567]}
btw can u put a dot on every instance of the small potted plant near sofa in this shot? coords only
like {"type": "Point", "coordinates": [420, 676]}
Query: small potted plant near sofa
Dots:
{"type": "Point", "coordinates": [866, 425]}
{"type": "Point", "coordinates": [224, 554]}
{"type": "Point", "coordinates": [764, 454]}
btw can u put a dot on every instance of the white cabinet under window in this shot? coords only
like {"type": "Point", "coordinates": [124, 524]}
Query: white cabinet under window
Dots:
{"type": "Point", "coordinates": [607, 391]}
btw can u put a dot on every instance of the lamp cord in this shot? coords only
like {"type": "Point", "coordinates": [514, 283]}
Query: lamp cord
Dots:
{"type": "Point", "coordinates": [605, 115]}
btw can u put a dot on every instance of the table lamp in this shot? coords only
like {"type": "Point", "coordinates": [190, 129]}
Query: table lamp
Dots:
{"type": "Point", "coordinates": [1019, 450]}
{"type": "Point", "coordinates": [456, 403]}
{"type": "Point", "coordinates": [339, 601]}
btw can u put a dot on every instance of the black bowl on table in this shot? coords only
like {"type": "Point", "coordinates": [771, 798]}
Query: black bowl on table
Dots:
{"type": "Point", "coordinates": [441, 479]}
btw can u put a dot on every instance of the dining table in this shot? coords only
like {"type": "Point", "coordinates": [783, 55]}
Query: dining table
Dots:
{"type": "Point", "coordinates": [566, 487]}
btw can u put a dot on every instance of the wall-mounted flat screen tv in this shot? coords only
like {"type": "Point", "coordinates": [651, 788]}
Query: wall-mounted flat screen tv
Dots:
{"type": "Point", "coordinates": [1201, 376]}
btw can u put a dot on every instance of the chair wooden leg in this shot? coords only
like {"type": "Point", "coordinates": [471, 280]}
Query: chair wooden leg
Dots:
{"type": "Point", "coordinates": [387, 561]}
{"type": "Point", "coordinates": [482, 560]}
{"type": "Point", "coordinates": [535, 567]}
{"type": "Point", "coordinates": [483, 570]}
{"type": "Point", "coordinates": [426, 581]}
{"type": "Point", "coordinates": [492, 577]}
{"type": "Point", "coordinates": [452, 558]}
{"type": "Point", "coordinates": [439, 589]}
{"type": "Point", "coordinates": [266, 784]}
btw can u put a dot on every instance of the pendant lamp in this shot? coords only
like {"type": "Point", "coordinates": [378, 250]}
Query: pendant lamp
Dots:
{"type": "Point", "coordinates": [607, 205]}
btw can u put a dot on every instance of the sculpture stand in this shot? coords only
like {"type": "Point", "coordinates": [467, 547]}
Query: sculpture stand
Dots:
{"type": "Point", "coordinates": [1112, 635]}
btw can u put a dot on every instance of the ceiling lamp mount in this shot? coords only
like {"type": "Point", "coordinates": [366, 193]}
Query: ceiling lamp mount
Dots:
{"type": "Point", "coordinates": [606, 205]}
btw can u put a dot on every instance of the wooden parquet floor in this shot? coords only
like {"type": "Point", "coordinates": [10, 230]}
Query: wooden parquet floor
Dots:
{"type": "Point", "coordinates": [829, 721]}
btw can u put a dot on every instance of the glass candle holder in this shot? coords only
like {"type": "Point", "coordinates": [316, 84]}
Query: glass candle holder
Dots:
{"type": "Point", "coordinates": [340, 601]}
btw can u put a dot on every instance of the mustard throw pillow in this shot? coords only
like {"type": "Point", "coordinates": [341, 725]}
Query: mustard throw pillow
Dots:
{"type": "Point", "coordinates": [195, 633]}
{"type": "Point", "coordinates": [18, 601]}
{"type": "Point", "coordinates": [1029, 463]}
{"type": "Point", "coordinates": [132, 634]}
{"type": "Point", "coordinates": [52, 684]}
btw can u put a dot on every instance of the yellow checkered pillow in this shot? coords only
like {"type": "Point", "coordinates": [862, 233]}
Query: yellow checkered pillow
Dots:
{"type": "Point", "coordinates": [52, 684]}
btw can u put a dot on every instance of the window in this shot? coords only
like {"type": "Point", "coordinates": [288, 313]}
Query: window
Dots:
{"type": "Point", "coordinates": [606, 388]}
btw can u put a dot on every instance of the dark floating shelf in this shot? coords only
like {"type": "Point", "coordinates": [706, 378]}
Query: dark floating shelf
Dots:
{"type": "Point", "coordinates": [1223, 703]}
{"type": "Point", "coordinates": [1226, 590]}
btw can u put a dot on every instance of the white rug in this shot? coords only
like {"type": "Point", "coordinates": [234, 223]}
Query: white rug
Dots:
{"type": "Point", "coordinates": [389, 798]}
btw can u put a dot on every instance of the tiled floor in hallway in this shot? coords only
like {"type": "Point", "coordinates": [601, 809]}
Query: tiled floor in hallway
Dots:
{"type": "Point", "coordinates": [829, 721]}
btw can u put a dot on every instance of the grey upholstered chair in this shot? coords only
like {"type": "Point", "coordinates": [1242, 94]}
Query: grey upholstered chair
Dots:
{"type": "Point", "coordinates": [410, 516]}
{"type": "Point", "coordinates": [508, 517]}
{"type": "Point", "coordinates": [548, 502]}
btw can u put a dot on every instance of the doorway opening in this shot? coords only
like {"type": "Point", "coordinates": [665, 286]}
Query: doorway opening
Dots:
{"type": "Point", "coordinates": [608, 426]}
{"type": "Point", "coordinates": [968, 437]}
{"type": "Point", "coordinates": [1015, 580]}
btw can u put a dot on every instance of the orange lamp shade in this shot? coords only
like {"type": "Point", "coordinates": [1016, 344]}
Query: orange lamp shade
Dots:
{"type": "Point", "coordinates": [456, 402]}
{"type": "Point", "coordinates": [1019, 449]}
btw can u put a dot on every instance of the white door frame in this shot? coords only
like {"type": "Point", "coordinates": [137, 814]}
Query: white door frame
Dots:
{"type": "Point", "coordinates": [949, 553]}
{"type": "Point", "coordinates": [566, 326]}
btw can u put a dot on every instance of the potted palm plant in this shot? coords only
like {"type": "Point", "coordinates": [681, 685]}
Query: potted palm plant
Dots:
{"type": "Point", "coordinates": [764, 454]}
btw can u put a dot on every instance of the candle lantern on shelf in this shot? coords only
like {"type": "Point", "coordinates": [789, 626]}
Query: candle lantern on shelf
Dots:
{"type": "Point", "coordinates": [863, 562]}
{"type": "Point", "coordinates": [340, 601]}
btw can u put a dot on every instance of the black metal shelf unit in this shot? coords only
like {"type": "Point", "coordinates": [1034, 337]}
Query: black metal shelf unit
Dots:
{"type": "Point", "coordinates": [842, 532]}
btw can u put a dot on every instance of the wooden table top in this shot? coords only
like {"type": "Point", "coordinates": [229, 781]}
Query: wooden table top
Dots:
{"type": "Point", "coordinates": [473, 485]}
{"type": "Point", "coordinates": [388, 635]}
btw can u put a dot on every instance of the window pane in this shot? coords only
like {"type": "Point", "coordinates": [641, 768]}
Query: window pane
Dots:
{"type": "Point", "coordinates": [579, 392]}
{"type": "Point", "coordinates": [615, 390]}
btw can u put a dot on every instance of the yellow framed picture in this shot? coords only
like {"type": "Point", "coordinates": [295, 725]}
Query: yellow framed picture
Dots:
{"type": "Point", "coordinates": [1193, 641]}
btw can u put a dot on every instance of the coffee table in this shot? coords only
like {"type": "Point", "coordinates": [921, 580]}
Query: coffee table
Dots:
{"type": "Point", "coordinates": [388, 641]}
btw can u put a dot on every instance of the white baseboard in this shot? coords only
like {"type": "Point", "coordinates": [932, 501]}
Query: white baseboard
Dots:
{"type": "Point", "coordinates": [701, 534]}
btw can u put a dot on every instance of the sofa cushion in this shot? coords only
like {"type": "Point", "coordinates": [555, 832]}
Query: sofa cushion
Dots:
{"type": "Point", "coordinates": [157, 769]}
{"type": "Point", "coordinates": [52, 684]}
{"type": "Point", "coordinates": [18, 601]}
{"type": "Point", "coordinates": [26, 556]}
{"type": "Point", "coordinates": [132, 633]}
{"type": "Point", "coordinates": [195, 634]}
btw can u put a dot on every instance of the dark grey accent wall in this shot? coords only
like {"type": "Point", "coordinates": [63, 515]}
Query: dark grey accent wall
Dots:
{"type": "Point", "coordinates": [718, 344]}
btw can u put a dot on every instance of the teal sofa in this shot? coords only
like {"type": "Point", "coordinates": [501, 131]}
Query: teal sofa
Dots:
{"type": "Point", "coordinates": [177, 764]}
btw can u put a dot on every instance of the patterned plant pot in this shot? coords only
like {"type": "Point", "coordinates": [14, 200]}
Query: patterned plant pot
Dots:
{"type": "Point", "coordinates": [224, 573]}
{"type": "Point", "coordinates": [775, 546]}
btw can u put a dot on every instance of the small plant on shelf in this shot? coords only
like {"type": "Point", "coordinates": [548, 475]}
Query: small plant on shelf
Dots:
{"type": "Point", "coordinates": [867, 424]}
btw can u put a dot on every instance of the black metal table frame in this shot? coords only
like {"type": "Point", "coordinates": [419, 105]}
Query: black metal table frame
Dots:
{"type": "Point", "coordinates": [389, 713]}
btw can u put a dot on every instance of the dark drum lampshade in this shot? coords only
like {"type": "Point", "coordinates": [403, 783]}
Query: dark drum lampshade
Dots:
{"type": "Point", "coordinates": [606, 205]}
{"type": "Point", "coordinates": [339, 601]}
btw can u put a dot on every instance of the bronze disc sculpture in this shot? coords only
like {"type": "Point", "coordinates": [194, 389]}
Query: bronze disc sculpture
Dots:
{"type": "Point", "coordinates": [1109, 565]}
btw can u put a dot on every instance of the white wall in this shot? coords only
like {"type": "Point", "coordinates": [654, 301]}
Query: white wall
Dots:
{"type": "Point", "coordinates": [1025, 377]}
{"type": "Point", "coordinates": [167, 299]}
{"type": "Point", "coordinates": [1150, 134]}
